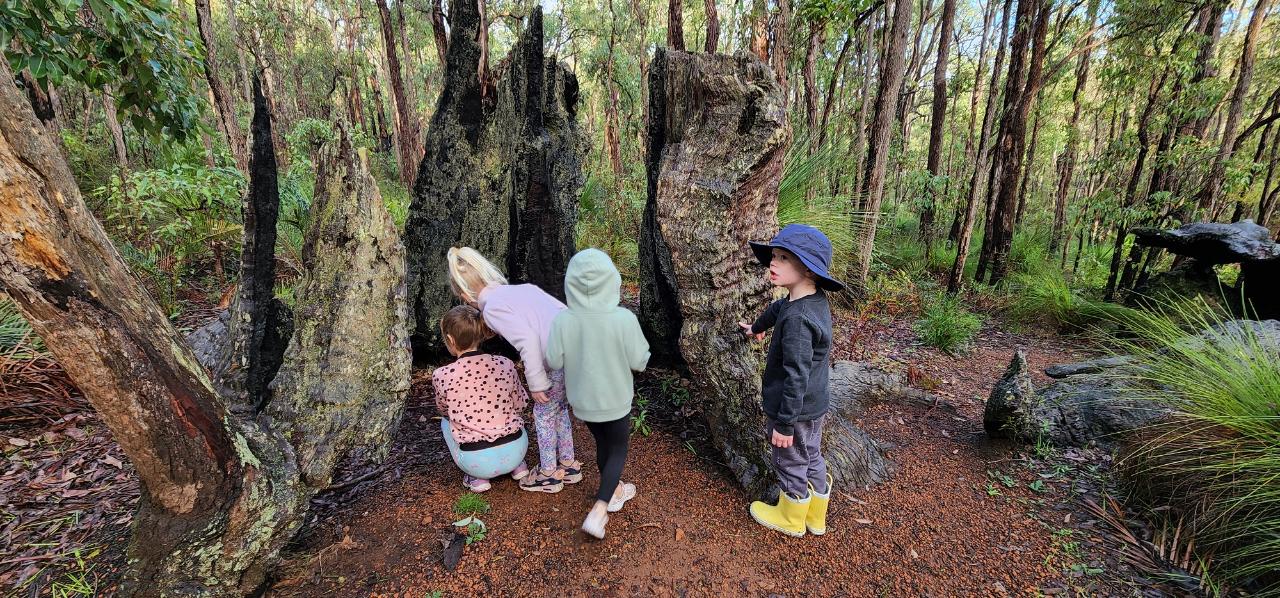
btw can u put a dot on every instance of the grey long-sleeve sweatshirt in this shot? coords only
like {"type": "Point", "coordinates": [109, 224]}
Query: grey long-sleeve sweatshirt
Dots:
{"type": "Point", "coordinates": [797, 369]}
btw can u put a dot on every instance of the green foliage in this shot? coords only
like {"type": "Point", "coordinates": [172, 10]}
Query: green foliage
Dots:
{"type": "Point", "coordinates": [640, 421]}
{"type": "Point", "coordinates": [16, 337]}
{"type": "Point", "coordinates": [804, 197]}
{"type": "Point", "coordinates": [306, 136]}
{"type": "Point", "coordinates": [947, 325]}
{"type": "Point", "coordinates": [140, 50]}
{"type": "Point", "coordinates": [470, 504]}
{"type": "Point", "coordinates": [1046, 297]}
{"type": "Point", "coordinates": [173, 221]}
{"type": "Point", "coordinates": [610, 220]}
{"type": "Point", "coordinates": [1215, 463]}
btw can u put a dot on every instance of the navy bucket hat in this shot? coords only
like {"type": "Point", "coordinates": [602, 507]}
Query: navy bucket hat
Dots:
{"type": "Point", "coordinates": [807, 243]}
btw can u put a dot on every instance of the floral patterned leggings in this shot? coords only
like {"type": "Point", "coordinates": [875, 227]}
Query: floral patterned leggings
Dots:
{"type": "Point", "coordinates": [553, 427]}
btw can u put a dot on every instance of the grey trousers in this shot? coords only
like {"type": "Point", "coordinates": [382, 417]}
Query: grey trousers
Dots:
{"type": "Point", "coordinates": [801, 463]}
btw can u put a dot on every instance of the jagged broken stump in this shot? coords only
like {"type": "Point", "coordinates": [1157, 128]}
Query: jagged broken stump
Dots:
{"type": "Point", "coordinates": [340, 392]}
{"type": "Point", "coordinates": [502, 170]}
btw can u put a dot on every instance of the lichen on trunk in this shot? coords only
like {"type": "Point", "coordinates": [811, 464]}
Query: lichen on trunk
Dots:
{"type": "Point", "coordinates": [340, 392]}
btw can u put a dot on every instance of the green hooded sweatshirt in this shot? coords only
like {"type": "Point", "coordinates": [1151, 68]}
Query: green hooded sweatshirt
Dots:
{"type": "Point", "coordinates": [595, 341]}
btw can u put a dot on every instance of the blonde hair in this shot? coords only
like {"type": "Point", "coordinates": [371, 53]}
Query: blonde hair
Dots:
{"type": "Point", "coordinates": [470, 273]}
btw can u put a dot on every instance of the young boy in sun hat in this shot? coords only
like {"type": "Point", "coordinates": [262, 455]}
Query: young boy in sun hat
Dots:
{"type": "Point", "coordinates": [794, 387]}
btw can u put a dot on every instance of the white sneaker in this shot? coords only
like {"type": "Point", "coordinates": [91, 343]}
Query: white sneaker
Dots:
{"type": "Point", "coordinates": [594, 526]}
{"type": "Point", "coordinates": [626, 493]}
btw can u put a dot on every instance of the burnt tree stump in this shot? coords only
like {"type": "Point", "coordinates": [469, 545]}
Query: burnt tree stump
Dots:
{"type": "Point", "coordinates": [502, 169]}
{"type": "Point", "coordinates": [340, 392]}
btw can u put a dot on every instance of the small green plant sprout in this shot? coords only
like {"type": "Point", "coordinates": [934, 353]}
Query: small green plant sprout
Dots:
{"type": "Point", "coordinates": [1038, 486]}
{"type": "Point", "coordinates": [640, 422]}
{"type": "Point", "coordinates": [674, 389]}
{"type": "Point", "coordinates": [992, 490]}
{"type": "Point", "coordinates": [471, 504]}
{"type": "Point", "coordinates": [1003, 478]}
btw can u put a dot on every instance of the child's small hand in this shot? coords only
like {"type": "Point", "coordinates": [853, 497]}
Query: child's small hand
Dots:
{"type": "Point", "coordinates": [746, 330]}
{"type": "Point", "coordinates": [540, 397]}
{"type": "Point", "coordinates": [781, 441]}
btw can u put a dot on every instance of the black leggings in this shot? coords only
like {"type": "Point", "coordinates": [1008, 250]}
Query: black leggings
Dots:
{"type": "Point", "coordinates": [612, 439]}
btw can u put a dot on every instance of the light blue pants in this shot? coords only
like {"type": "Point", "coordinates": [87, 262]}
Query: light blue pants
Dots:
{"type": "Point", "coordinates": [486, 463]}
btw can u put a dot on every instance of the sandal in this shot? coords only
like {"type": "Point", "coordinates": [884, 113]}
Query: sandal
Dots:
{"type": "Point", "coordinates": [541, 482]}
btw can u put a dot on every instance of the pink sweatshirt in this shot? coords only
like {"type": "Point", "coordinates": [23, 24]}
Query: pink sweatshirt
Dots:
{"type": "Point", "coordinates": [522, 314]}
{"type": "Point", "coordinates": [481, 395]}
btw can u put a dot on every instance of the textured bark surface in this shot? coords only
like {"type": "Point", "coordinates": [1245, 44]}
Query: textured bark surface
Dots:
{"type": "Point", "coordinates": [502, 169]}
{"type": "Point", "coordinates": [340, 393]}
{"type": "Point", "coordinates": [717, 137]}
{"type": "Point", "coordinates": [223, 110]}
{"type": "Point", "coordinates": [886, 106]}
{"type": "Point", "coordinates": [408, 151]}
{"type": "Point", "coordinates": [219, 496]}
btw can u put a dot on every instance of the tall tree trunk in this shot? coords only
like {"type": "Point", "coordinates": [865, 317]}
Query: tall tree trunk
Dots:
{"type": "Point", "coordinates": [937, 123]}
{"type": "Point", "coordinates": [503, 169]}
{"type": "Point", "coordinates": [408, 155]}
{"type": "Point", "coordinates": [882, 128]}
{"type": "Point", "coordinates": [1024, 188]}
{"type": "Point", "coordinates": [1266, 202]}
{"type": "Point", "coordinates": [1131, 188]}
{"type": "Point", "coordinates": [1067, 162]}
{"type": "Point", "coordinates": [955, 279]}
{"type": "Point", "coordinates": [817, 31]}
{"type": "Point", "coordinates": [439, 31]}
{"type": "Point", "coordinates": [780, 43]}
{"type": "Point", "coordinates": [1210, 192]}
{"type": "Point", "coordinates": [242, 69]}
{"type": "Point", "coordinates": [759, 29]}
{"type": "Point", "coordinates": [713, 26]}
{"type": "Point", "coordinates": [1021, 87]}
{"type": "Point", "coordinates": [117, 134]}
{"type": "Point", "coordinates": [258, 311]}
{"type": "Point", "coordinates": [675, 24]}
{"type": "Point", "coordinates": [224, 111]}
{"type": "Point", "coordinates": [837, 69]}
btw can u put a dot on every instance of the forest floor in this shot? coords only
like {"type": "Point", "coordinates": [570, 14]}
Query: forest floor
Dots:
{"type": "Point", "coordinates": [962, 515]}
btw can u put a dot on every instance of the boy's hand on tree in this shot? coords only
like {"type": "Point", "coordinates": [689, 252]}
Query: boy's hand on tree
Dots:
{"type": "Point", "coordinates": [781, 441]}
{"type": "Point", "coordinates": [746, 329]}
{"type": "Point", "coordinates": [540, 397]}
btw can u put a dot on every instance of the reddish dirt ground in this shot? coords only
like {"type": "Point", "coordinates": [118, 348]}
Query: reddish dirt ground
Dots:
{"type": "Point", "coordinates": [960, 516]}
{"type": "Point", "coordinates": [932, 530]}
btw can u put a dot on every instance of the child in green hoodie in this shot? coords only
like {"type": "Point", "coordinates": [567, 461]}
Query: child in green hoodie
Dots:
{"type": "Point", "coordinates": [599, 344]}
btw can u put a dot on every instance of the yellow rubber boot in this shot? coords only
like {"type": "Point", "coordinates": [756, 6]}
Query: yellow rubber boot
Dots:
{"type": "Point", "coordinates": [787, 516]}
{"type": "Point", "coordinates": [816, 520]}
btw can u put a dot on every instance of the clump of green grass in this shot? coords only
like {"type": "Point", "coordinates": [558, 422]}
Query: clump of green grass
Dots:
{"type": "Point", "coordinates": [947, 325]}
{"type": "Point", "coordinates": [1214, 465]}
{"type": "Point", "coordinates": [470, 504]}
{"type": "Point", "coordinates": [1046, 296]}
